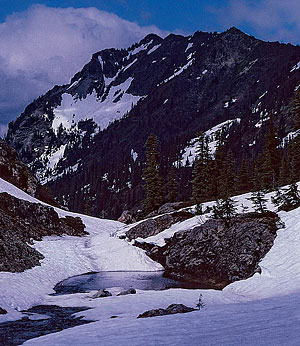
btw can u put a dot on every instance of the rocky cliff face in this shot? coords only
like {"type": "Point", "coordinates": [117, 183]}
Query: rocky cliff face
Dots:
{"type": "Point", "coordinates": [92, 131]}
{"type": "Point", "coordinates": [213, 255]}
{"type": "Point", "coordinates": [21, 223]}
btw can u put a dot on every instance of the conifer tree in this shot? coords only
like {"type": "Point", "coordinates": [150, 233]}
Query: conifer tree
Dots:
{"type": "Point", "coordinates": [201, 172]}
{"type": "Point", "coordinates": [224, 209]}
{"type": "Point", "coordinates": [172, 185]}
{"type": "Point", "coordinates": [153, 182]}
{"type": "Point", "coordinates": [271, 158]}
{"type": "Point", "coordinates": [219, 164]}
{"type": "Point", "coordinates": [285, 172]}
{"type": "Point", "coordinates": [243, 183]}
{"type": "Point", "coordinates": [287, 199]}
{"type": "Point", "coordinates": [296, 108]}
{"type": "Point", "coordinates": [227, 176]}
{"type": "Point", "coordinates": [295, 158]}
{"type": "Point", "coordinates": [259, 201]}
{"type": "Point", "coordinates": [292, 197]}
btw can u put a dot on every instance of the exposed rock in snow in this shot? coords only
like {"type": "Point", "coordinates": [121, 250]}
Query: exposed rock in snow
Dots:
{"type": "Point", "coordinates": [215, 255]}
{"type": "Point", "coordinates": [3, 311]}
{"type": "Point", "coordinates": [21, 222]}
{"type": "Point", "coordinates": [170, 310]}
{"type": "Point", "coordinates": [129, 291]}
{"type": "Point", "coordinates": [101, 294]}
{"type": "Point", "coordinates": [127, 217]}
{"type": "Point", "coordinates": [156, 225]}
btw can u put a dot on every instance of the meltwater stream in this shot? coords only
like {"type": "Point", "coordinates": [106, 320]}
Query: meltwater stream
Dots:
{"type": "Point", "coordinates": [104, 280]}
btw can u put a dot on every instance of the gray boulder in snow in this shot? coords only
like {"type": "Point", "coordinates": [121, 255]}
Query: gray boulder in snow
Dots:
{"type": "Point", "coordinates": [129, 291]}
{"type": "Point", "coordinates": [127, 217]}
{"type": "Point", "coordinates": [2, 311]}
{"type": "Point", "coordinates": [170, 310]}
{"type": "Point", "coordinates": [156, 225]}
{"type": "Point", "coordinates": [102, 293]}
{"type": "Point", "coordinates": [213, 255]}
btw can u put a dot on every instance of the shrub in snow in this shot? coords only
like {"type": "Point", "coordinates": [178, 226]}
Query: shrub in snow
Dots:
{"type": "Point", "coordinates": [287, 199]}
{"type": "Point", "coordinates": [259, 201]}
{"type": "Point", "coordinates": [198, 209]}
{"type": "Point", "coordinates": [200, 303]}
{"type": "Point", "coordinates": [224, 209]}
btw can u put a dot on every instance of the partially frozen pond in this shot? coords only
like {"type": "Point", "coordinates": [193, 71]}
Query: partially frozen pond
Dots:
{"type": "Point", "coordinates": [124, 279]}
{"type": "Point", "coordinates": [46, 319]}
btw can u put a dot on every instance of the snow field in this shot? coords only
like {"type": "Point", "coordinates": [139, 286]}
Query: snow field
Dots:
{"type": "Point", "coordinates": [262, 310]}
{"type": "Point", "coordinates": [67, 256]}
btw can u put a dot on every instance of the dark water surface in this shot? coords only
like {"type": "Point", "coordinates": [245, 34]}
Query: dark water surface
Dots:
{"type": "Point", "coordinates": [45, 319]}
{"type": "Point", "coordinates": [138, 280]}
{"type": "Point", "coordinates": [55, 319]}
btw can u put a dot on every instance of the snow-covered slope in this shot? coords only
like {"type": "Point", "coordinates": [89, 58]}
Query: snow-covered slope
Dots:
{"type": "Point", "coordinates": [66, 256]}
{"type": "Point", "coordinates": [262, 310]}
{"type": "Point", "coordinates": [188, 154]}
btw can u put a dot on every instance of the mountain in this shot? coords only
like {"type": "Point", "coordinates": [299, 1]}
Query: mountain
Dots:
{"type": "Point", "coordinates": [86, 139]}
{"type": "Point", "coordinates": [17, 173]}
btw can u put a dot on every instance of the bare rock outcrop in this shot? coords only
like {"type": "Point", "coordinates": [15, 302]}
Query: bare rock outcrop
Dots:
{"type": "Point", "coordinates": [156, 225]}
{"type": "Point", "coordinates": [170, 310]}
{"type": "Point", "coordinates": [21, 223]}
{"type": "Point", "coordinates": [214, 255]}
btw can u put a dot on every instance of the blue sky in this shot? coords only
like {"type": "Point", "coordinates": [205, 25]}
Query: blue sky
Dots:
{"type": "Point", "coordinates": [45, 43]}
{"type": "Point", "coordinates": [183, 15]}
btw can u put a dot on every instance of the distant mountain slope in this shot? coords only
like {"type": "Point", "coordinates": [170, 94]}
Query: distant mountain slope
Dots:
{"type": "Point", "coordinates": [86, 138]}
{"type": "Point", "coordinates": [17, 173]}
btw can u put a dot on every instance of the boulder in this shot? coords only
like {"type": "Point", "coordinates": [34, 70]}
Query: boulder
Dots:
{"type": "Point", "coordinates": [156, 225]}
{"type": "Point", "coordinates": [129, 291]}
{"type": "Point", "coordinates": [170, 310]}
{"type": "Point", "coordinates": [2, 311]}
{"type": "Point", "coordinates": [168, 208]}
{"type": "Point", "coordinates": [127, 217]}
{"type": "Point", "coordinates": [102, 293]}
{"type": "Point", "coordinates": [215, 255]}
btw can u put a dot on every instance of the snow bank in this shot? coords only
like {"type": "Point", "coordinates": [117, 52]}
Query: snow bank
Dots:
{"type": "Point", "coordinates": [262, 310]}
{"type": "Point", "coordinates": [67, 256]}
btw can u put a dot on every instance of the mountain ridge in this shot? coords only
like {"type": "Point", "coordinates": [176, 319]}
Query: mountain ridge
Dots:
{"type": "Point", "coordinates": [172, 87]}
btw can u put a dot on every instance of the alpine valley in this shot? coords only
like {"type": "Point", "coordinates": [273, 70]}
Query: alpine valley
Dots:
{"type": "Point", "coordinates": [86, 139]}
{"type": "Point", "coordinates": [195, 141]}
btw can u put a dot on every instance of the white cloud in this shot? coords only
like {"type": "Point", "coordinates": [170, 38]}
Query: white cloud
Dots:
{"type": "Point", "coordinates": [45, 46]}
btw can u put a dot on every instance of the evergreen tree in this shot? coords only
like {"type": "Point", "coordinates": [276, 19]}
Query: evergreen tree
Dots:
{"type": "Point", "coordinates": [295, 158]}
{"type": "Point", "coordinates": [219, 167]}
{"type": "Point", "coordinates": [255, 178]}
{"type": "Point", "coordinates": [285, 172]}
{"type": "Point", "coordinates": [288, 199]}
{"type": "Point", "coordinates": [296, 109]}
{"type": "Point", "coordinates": [243, 180]}
{"type": "Point", "coordinates": [172, 185]}
{"type": "Point", "coordinates": [224, 209]}
{"type": "Point", "coordinates": [227, 176]}
{"type": "Point", "coordinates": [259, 201]}
{"type": "Point", "coordinates": [153, 182]}
{"type": "Point", "coordinates": [271, 158]}
{"type": "Point", "coordinates": [202, 170]}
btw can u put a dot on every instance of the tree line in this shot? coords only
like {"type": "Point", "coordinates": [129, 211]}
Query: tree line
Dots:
{"type": "Point", "coordinates": [219, 175]}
